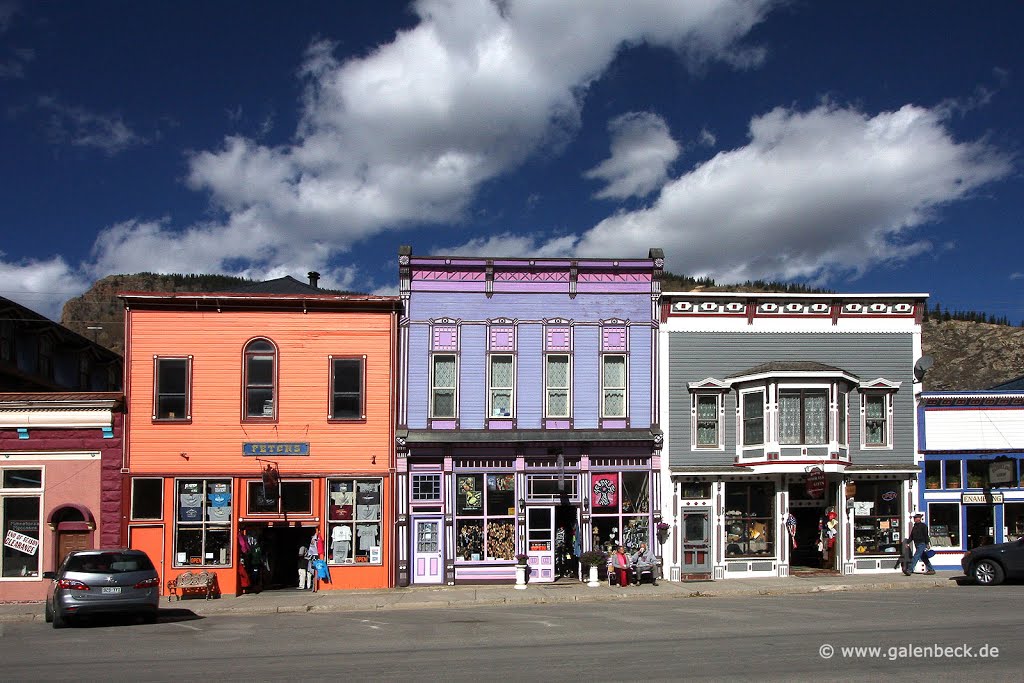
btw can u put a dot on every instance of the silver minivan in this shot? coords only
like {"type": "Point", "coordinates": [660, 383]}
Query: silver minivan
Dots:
{"type": "Point", "coordinates": [103, 581]}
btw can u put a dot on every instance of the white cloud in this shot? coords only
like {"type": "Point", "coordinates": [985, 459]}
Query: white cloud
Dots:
{"type": "Point", "coordinates": [1016, 276]}
{"type": "Point", "coordinates": [80, 127]}
{"type": "Point", "coordinates": [408, 133]}
{"type": "Point", "coordinates": [816, 195]}
{"type": "Point", "coordinates": [813, 194]}
{"type": "Point", "coordinates": [706, 138]}
{"type": "Point", "coordinates": [642, 149]}
{"type": "Point", "coordinates": [41, 285]}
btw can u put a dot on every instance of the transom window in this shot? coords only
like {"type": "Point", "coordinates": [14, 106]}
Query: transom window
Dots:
{"type": "Point", "coordinates": [260, 379]}
{"type": "Point", "coordinates": [443, 377]}
{"type": "Point", "coordinates": [173, 377]}
{"type": "Point", "coordinates": [502, 380]}
{"type": "Point", "coordinates": [289, 497]}
{"type": "Point", "coordinates": [347, 388]}
{"type": "Point", "coordinates": [147, 498]}
{"type": "Point", "coordinates": [426, 487]}
{"type": "Point", "coordinates": [613, 377]}
{"type": "Point", "coordinates": [557, 377]}
{"type": "Point", "coordinates": [803, 416]}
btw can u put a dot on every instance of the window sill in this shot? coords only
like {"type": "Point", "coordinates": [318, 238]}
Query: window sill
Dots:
{"type": "Point", "coordinates": [346, 420]}
{"type": "Point", "coordinates": [171, 420]}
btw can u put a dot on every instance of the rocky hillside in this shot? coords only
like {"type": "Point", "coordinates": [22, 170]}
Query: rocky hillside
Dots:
{"type": "Point", "coordinates": [968, 355]}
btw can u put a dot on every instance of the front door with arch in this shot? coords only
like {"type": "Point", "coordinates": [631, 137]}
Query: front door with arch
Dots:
{"type": "Point", "coordinates": [427, 555]}
{"type": "Point", "coordinates": [696, 542]}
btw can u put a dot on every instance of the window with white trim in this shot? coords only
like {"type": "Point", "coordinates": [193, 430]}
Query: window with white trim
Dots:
{"type": "Point", "coordinates": [354, 531]}
{"type": "Point", "coordinates": [443, 382]}
{"type": "Point", "coordinates": [501, 392]}
{"type": "Point", "coordinates": [557, 380]}
{"type": "Point", "coordinates": [876, 422]}
{"type": "Point", "coordinates": [841, 422]}
{"type": "Point", "coordinates": [613, 380]}
{"type": "Point", "coordinates": [803, 416]}
{"type": "Point", "coordinates": [752, 417]}
{"type": "Point", "coordinates": [260, 380]}
{"type": "Point", "coordinates": [707, 420]}
{"type": "Point", "coordinates": [21, 492]}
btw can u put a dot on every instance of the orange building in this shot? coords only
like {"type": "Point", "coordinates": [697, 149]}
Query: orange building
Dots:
{"type": "Point", "coordinates": [254, 419]}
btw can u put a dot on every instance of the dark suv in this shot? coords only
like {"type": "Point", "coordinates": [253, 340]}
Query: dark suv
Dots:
{"type": "Point", "coordinates": [115, 581]}
{"type": "Point", "coordinates": [988, 565]}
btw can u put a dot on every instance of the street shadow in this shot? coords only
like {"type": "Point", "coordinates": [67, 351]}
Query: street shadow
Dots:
{"type": "Point", "coordinates": [164, 616]}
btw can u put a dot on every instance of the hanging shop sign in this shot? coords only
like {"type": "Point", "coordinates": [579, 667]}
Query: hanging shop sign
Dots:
{"type": "Point", "coordinates": [275, 448]}
{"type": "Point", "coordinates": [815, 483]}
{"type": "Point", "coordinates": [980, 498]}
{"type": "Point", "coordinates": [1002, 471]}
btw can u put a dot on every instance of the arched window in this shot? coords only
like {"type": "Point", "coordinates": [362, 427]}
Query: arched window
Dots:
{"type": "Point", "coordinates": [260, 380]}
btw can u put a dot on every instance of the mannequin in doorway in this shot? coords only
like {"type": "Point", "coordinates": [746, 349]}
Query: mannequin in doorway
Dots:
{"type": "Point", "coordinates": [314, 552]}
{"type": "Point", "coordinates": [303, 569]}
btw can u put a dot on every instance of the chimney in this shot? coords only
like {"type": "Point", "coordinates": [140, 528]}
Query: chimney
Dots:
{"type": "Point", "coordinates": [314, 277]}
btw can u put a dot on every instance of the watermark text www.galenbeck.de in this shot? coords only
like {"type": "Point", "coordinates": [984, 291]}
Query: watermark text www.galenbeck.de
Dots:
{"type": "Point", "coordinates": [910, 651]}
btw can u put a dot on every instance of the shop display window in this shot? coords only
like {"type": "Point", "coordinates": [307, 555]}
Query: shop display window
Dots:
{"type": "Point", "coordinates": [620, 504]}
{"type": "Point", "coordinates": [354, 531]}
{"type": "Point", "coordinates": [749, 519]}
{"type": "Point", "coordinates": [954, 475]}
{"type": "Point", "coordinates": [933, 474]}
{"type": "Point", "coordinates": [203, 521]}
{"type": "Point", "coordinates": [944, 525]}
{"type": "Point", "coordinates": [20, 495]}
{"type": "Point", "coordinates": [485, 508]}
{"type": "Point", "coordinates": [294, 497]}
{"type": "Point", "coordinates": [877, 512]}
{"type": "Point", "coordinates": [1013, 521]}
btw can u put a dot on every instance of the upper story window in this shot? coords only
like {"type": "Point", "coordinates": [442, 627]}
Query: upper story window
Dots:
{"type": "Point", "coordinates": [803, 416]}
{"type": "Point", "coordinates": [753, 417]}
{"type": "Point", "coordinates": [260, 380]}
{"type": "Point", "coordinates": [501, 392]}
{"type": "Point", "coordinates": [172, 380]}
{"type": "Point", "coordinates": [613, 389]}
{"type": "Point", "coordinates": [557, 376]}
{"type": "Point", "coordinates": [347, 388]}
{"type": "Point", "coordinates": [876, 410]}
{"type": "Point", "coordinates": [443, 376]}
{"type": "Point", "coordinates": [708, 423]}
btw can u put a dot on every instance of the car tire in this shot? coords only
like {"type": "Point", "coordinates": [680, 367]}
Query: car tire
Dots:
{"type": "Point", "coordinates": [59, 620]}
{"type": "Point", "coordinates": [48, 613]}
{"type": "Point", "coordinates": [987, 572]}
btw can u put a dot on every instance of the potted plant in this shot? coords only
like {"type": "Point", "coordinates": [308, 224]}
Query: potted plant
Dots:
{"type": "Point", "coordinates": [522, 567]}
{"type": "Point", "coordinates": [932, 482]}
{"type": "Point", "coordinates": [593, 559]}
{"type": "Point", "coordinates": [663, 529]}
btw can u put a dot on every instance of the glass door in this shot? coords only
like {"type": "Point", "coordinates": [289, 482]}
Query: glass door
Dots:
{"type": "Point", "coordinates": [696, 542]}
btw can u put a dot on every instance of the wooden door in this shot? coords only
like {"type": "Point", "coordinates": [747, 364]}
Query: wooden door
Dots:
{"type": "Point", "coordinates": [696, 542]}
{"type": "Point", "coordinates": [71, 540]}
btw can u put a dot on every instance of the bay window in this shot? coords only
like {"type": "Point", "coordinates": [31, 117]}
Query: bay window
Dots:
{"type": "Point", "coordinates": [803, 416]}
{"type": "Point", "coordinates": [753, 418]}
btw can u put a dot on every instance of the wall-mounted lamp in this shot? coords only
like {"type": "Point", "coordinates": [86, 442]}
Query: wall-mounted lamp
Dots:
{"type": "Point", "coordinates": [586, 503]}
{"type": "Point", "coordinates": [522, 505]}
{"type": "Point", "coordinates": [373, 459]}
{"type": "Point", "coordinates": [184, 455]}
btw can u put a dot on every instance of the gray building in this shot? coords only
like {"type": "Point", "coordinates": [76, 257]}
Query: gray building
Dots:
{"type": "Point", "coordinates": [790, 427]}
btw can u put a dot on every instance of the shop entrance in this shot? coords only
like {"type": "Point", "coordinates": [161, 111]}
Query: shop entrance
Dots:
{"type": "Point", "coordinates": [696, 543]}
{"type": "Point", "coordinates": [567, 541]}
{"type": "Point", "coordinates": [427, 560]}
{"type": "Point", "coordinates": [980, 526]}
{"type": "Point", "coordinates": [273, 560]}
{"type": "Point", "coordinates": [540, 542]}
{"type": "Point", "coordinates": [806, 553]}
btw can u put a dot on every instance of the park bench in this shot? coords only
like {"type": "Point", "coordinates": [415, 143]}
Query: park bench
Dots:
{"type": "Point", "coordinates": [192, 582]}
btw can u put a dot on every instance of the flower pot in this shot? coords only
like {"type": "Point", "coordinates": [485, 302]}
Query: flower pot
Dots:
{"type": "Point", "coordinates": [593, 583]}
{"type": "Point", "coordinates": [521, 570]}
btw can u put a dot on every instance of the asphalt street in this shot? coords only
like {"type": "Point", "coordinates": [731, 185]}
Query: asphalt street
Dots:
{"type": "Point", "coordinates": [736, 638]}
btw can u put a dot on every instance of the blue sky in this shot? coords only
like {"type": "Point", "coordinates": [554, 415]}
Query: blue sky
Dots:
{"type": "Point", "coordinates": [869, 146]}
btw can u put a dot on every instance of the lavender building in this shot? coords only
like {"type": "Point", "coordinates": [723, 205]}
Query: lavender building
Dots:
{"type": "Point", "coordinates": [527, 414]}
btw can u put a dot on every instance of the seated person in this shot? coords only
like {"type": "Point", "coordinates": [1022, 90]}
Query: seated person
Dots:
{"type": "Point", "coordinates": [644, 561]}
{"type": "Point", "coordinates": [621, 566]}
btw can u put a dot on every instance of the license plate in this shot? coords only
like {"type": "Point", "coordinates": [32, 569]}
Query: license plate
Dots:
{"type": "Point", "coordinates": [110, 589]}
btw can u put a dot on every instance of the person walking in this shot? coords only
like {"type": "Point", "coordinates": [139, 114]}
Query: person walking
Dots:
{"type": "Point", "coordinates": [919, 535]}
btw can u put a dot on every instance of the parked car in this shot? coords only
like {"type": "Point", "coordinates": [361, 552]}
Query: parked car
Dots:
{"type": "Point", "coordinates": [105, 581]}
{"type": "Point", "coordinates": [988, 565]}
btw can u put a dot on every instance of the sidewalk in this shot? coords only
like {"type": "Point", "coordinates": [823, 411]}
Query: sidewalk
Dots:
{"type": "Point", "coordinates": [420, 597]}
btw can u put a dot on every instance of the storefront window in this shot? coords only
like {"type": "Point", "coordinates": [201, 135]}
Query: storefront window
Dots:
{"type": "Point", "coordinates": [203, 519]}
{"type": "Point", "coordinates": [354, 521]}
{"type": "Point", "coordinates": [620, 502]}
{"type": "Point", "coordinates": [485, 508]}
{"type": "Point", "coordinates": [954, 478]}
{"type": "Point", "coordinates": [944, 525]}
{"type": "Point", "coordinates": [20, 516]}
{"type": "Point", "coordinates": [749, 519]}
{"type": "Point", "coordinates": [977, 473]}
{"type": "Point", "coordinates": [876, 518]}
{"type": "Point", "coordinates": [291, 497]}
{"type": "Point", "coordinates": [1013, 521]}
{"type": "Point", "coordinates": [933, 474]}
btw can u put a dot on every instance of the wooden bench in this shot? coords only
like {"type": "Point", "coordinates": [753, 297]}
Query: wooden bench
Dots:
{"type": "Point", "coordinates": [192, 582]}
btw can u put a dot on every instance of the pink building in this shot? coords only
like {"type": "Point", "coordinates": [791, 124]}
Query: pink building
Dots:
{"type": "Point", "coordinates": [60, 482]}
